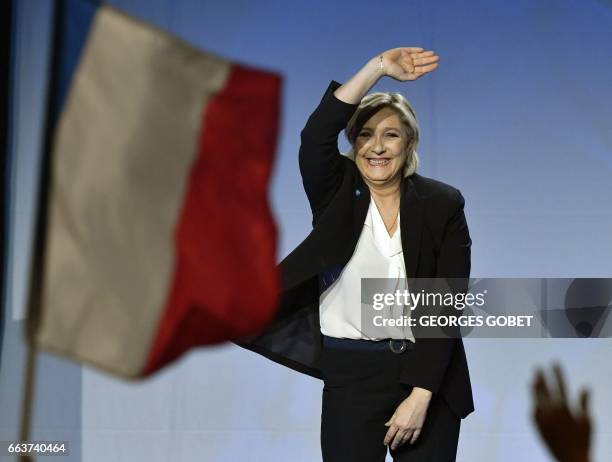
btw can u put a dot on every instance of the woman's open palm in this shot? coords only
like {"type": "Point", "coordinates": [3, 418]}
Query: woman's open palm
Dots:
{"type": "Point", "coordinates": [409, 63]}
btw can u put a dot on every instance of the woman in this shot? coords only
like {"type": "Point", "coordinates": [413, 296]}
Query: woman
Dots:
{"type": "Point", "coordinates": [373, 216]}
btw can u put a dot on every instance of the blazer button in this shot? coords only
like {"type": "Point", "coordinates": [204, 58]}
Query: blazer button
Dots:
{"type": "Point", "coordinates": [357, 192]}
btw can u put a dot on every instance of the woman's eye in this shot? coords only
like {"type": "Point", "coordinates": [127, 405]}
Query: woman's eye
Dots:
{"type": "Point", "coordinates": [392, 134]}
{"type": "Point", "coordinates": [364, 134]}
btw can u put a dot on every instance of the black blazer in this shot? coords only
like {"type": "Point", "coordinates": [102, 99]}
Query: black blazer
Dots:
{"type": "Point", "coordinates": [435, 243]}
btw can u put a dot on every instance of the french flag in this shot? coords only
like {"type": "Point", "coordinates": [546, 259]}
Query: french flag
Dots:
{"type": "Point", "coordinates": [155, 233]}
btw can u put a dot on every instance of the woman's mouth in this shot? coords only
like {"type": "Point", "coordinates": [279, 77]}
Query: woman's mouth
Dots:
{"type": "Point", "coordinates": [378, 162]}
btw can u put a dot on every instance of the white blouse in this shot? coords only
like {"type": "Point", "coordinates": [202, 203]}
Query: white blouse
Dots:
{"type": "Point", "coordinates": [377, 255]}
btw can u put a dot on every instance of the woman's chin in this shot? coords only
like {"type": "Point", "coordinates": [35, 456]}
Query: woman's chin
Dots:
{"type": "Point", "coordinates": [378, 178]}
{"type": "Point", "coordinates": [376, 175]}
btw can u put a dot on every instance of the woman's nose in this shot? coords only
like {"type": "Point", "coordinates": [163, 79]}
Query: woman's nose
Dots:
{"type": "Point", "coordinates": [378, 146]}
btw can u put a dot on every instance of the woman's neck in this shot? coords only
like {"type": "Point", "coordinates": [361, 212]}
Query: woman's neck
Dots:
{"type": "Point", "coordinates": [385, 193]}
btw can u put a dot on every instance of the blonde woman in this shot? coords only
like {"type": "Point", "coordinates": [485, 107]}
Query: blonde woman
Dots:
{"type": "Point", "coordinates": [373, 216]}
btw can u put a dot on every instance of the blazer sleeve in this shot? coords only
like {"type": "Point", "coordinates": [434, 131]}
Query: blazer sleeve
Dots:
{"type": "Point", "coordinates": [433, 355]}
{"type": "Point", "coordinates": [321, 164]}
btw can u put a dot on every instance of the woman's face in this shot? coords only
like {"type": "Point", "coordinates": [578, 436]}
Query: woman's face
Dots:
{"type": "Point", "coordinates": [381, 148]}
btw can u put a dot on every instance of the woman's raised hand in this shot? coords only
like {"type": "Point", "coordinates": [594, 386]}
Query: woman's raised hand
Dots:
{"type": "Point", "coordinates": [408, 63]}
{"type": "Point", "coordinates": [398, 63]}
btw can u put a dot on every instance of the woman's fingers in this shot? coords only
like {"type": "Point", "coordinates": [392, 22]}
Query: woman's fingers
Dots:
{"type": "Point", "coordinates": [415, 436]}
{"type": "Point", "coordinates": [425, 60]}
{"type": "Point", "coordinates": [400, 438]}
{"type": "Point", "coordinates": [417, 64]}
{"type": "Point", "coordinates": [390, 434]}
{"type": "Point", "coordinates": [423, 54]}
{"type": "Point", "coordinates": [411, 49]}
{"type": "Point", "coordinates": [425, 69]}
{"type": "Point", "coordinates": [419, 55]}
{"type": "Point", "coordinates": [418, 72]}
{"type": "Point", "coordinates": [405, 436]}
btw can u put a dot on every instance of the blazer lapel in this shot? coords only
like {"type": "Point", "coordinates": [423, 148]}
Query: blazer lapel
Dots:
{"type": "Point", "coordinates": [411, 224]}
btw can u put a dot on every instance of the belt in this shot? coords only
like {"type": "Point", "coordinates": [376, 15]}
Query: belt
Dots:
{"type": "Point", "coordinates": [395, 345]}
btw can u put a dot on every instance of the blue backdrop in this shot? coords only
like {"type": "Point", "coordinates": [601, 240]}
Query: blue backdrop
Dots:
{"type": "Point", "coordinates": [517, 116]}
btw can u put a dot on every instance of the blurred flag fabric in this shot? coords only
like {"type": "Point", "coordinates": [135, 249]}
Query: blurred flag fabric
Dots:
{"type": "Point", "coordinates": [157, 235]}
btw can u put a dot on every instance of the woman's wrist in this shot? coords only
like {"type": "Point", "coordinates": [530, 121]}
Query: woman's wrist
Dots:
{"type": "Point", "coordinates": [422, 392]}
{"type": "Point", "coordinates": [379, 67]}
{"type": "Point", "coordinates": [373, 70]}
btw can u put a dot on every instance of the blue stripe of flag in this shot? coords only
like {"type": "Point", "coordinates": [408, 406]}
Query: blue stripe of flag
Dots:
{"type": "Point", "coordinates": [73, 21]}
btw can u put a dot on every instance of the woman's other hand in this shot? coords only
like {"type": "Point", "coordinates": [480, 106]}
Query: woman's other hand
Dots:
{"type": "Point", "coordinates": [407, 420]}
{"type": "Point", "coordinates": [408, 63]}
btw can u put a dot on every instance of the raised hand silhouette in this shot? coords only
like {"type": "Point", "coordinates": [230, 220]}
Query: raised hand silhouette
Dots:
{"type": "Point", "coordinates": [566, 432]}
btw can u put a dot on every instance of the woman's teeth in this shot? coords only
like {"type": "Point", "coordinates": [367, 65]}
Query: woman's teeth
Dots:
{"type": "Point", "coordinates": [378, 162]}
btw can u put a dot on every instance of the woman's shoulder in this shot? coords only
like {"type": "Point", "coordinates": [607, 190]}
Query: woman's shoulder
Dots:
{"type": "Point", "coordinates": [429, 188]}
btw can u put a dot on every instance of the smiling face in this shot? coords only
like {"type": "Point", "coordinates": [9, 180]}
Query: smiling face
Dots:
{"type": "Point", "coordinates": [381, 148]}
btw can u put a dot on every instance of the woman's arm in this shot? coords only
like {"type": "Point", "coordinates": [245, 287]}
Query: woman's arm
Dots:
{"type": "Point", "coordinates": [321, 164]}
{"type": "Point", "coordinates": [361, 83]}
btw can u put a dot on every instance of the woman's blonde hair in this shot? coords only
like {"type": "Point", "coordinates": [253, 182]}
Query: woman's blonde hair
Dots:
{"type": "Point", "coordinates": [372, 103]}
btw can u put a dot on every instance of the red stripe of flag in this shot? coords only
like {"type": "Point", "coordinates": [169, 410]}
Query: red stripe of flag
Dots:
{"type": "Point", "coordinates": [225, 283]}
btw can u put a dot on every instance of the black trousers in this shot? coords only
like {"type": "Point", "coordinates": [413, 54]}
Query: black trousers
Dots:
{"type": "Point", "coordinates": [360, 393]}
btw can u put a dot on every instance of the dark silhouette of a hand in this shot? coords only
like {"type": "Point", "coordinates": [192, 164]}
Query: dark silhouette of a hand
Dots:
{"type": "Point", "coordinates": [566, 432]}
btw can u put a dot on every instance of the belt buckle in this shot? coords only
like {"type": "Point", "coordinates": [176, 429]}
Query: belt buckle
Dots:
{"type": "Point", "coordinates": [402, 347]}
